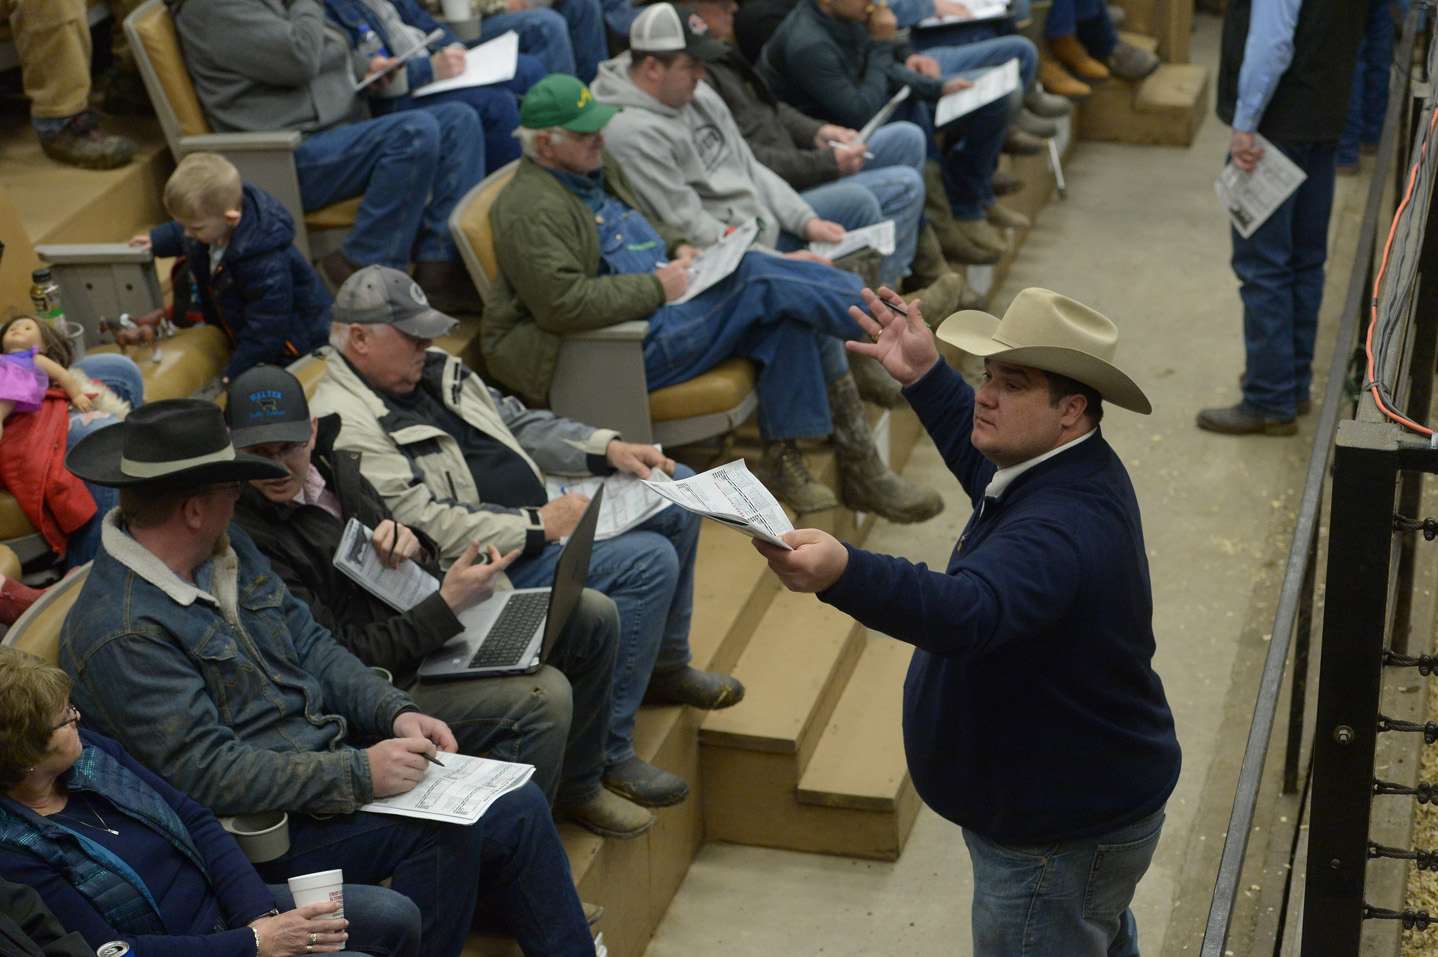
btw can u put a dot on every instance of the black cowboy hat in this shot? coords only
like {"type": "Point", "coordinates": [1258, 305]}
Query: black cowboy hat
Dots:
{"type": "Point", "coordinates": [172, 443]}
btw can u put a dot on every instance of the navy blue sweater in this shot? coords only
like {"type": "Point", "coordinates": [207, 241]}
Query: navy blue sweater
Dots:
{"type": "Point", "coordinates": [265, 295]}
{"type": "Point", "coordinates": [1032, 713]}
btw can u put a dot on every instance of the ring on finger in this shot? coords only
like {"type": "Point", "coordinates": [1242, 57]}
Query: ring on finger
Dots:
{"type": "Point", "coordinates": [314, 939]}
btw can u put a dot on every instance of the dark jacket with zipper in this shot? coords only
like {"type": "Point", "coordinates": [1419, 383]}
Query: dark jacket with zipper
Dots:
{"type": "Point", "coordinates": [265, 295]}
{"type": "Point", "coordinates": [300, 542]}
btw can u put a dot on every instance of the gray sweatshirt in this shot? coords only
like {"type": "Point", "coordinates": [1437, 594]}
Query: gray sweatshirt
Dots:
{"type": "Point", "coordinates": [268, 65]}
{"type": "Point", "coordinates": [690, 165]}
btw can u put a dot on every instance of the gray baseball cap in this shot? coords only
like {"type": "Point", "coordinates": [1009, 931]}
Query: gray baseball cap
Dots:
{"type": "Point", "coordinates": [379, 295]}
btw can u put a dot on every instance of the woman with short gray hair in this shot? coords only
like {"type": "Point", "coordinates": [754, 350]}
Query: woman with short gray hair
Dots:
{"type": "Point", "coordinates": [118, 854]}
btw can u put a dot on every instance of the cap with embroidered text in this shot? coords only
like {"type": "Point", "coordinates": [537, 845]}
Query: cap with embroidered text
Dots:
{"type": "Point", "coordinates": [381, 295]}
{"type": "Point", "coordinates": [564, 101]}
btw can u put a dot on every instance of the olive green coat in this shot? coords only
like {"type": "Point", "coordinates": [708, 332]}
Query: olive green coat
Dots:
{"type": "Point", "coordinates": [547, 246]}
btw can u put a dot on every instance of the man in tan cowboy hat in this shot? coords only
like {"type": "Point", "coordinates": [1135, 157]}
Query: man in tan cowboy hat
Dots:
{"type": "Point", "coordinates": [1032, 715]}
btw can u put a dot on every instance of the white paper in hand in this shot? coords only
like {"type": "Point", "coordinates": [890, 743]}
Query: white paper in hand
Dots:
{"type": "Point", "coordinates": [491, 62]}
{"type": "Point", "coordinates": [1251, 198]}
{"type": "Point", "coordinates": [879, 237]}
{"type": "Point", "coordinates": [1000, 81]}
{"type": "Point", "coordinates": [731, 496]}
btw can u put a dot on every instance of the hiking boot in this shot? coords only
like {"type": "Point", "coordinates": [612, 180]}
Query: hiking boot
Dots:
{"type": "Point", "coordinates": [448, 287]}
{"type": "Point", "coordinates": [705, 690]}
{"type": "Point", "coordinates": [1042, 103]}
{"type": "Point", "coordinates": [1001, 217]}
{"type": "Point", "coordinates": [1035, 125]}
{"type": "Point", "coordinates": [81, 142]}
{"type": "Point", "coordinates": [865, 482]}
{"type": "Point", "coordinates": [1131, 63]}
{"type": "Point", "coordinates": [1060, 82]}
{"type": "Point", "coordinates": [785, 473]}
{"type": "Point", "coordinates": [1005, 183]}
{"type": "Point", "coordinates": [1236, 420]}
{"type": "Point", "coordinates": [1071, 53]}
{"type": "Point", "coordinates": [640, 782]}
{"type": "Point", "coordinates": [1019, 143]}
{"type": "Point", "coordinates": [609, 815]}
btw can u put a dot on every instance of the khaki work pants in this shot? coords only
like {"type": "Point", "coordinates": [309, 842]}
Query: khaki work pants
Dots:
{"type": "Point", "coordinates": [53, 40]}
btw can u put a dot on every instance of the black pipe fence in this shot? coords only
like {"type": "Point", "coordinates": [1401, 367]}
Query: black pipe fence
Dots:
{"type": "Point", "coordinates": [1371, 459]}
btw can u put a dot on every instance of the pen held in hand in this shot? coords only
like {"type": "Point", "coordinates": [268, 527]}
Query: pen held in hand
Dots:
{"type": "Point", "coordinates": [843, 146]}
{"type": "Point", "coordinates": [432, 759]}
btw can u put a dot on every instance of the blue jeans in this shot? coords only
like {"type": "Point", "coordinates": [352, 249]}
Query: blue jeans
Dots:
{"type": "Point", "coordinates": [1369, 99]}
{"type": "Point", "coordinates": [124, 379]}
{"type": "Point", "coordinates": [971, 145]}
{"type": "Point", "coordinates": [774, 311]}
{"type": "Point", "coordinates": [1068, 899]}
{"type": "Point", "coordinates": [568, 38]}
{"type": "Point", "coordinates": [649, 573]}
{"type": "Point", "coordinates": [894, 182]}
{"type": "Point", "coordinates": [619, 15]}
{"type": "Point", "coordinates": [556, 719]}
{"type": "Point", "coordinates": [382, 922]}
{"type": "Point", "coordinates": [496, 106]}
{"type": "Point", "coordinates": [1281, 270]}
{"type": "Point", "coordinates": [1086, 19]}
{"type": "Point", "coordinates": [411, 167]}
{"type": "Point", "coordinates": [512, 856]}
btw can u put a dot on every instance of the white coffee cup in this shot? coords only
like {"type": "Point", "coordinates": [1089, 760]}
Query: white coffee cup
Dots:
{"type": "Point", "coordinates": [263, 837]}
{"type": "Point", "coordinates": [319, 888]}
{"type": "Point", "coordinates": [456, 9]}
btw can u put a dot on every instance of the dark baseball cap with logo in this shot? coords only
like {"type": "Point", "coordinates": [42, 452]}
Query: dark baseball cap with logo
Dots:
{"type": "Point", "coordinates": [564, 101]}
{"type": "Point", "coordinates": [266, 404]}
{"type": "Point", "coordinates": [380, 295]}
{"type": "Point", "coordinates": [663, 28]}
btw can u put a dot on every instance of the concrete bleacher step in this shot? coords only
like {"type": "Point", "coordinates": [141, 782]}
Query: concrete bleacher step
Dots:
{"type": "Point", "coordinates": [794, 670]}
{"type": "Point", "coordinates": [1164, 109]}
{"type": "Point", "coordinates": [858, 774]}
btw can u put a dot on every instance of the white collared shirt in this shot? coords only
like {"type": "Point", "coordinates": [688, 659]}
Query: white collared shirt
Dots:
{"type": "Point", "coordinates": [1004, 476]}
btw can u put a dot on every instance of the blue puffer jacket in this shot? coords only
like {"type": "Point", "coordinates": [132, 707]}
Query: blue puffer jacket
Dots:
{"type": "Point", "coordinates": [268, 299]}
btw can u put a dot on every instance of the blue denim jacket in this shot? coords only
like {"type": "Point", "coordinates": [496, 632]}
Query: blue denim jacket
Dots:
{"type": "Point", "coordinates": [238, 697]}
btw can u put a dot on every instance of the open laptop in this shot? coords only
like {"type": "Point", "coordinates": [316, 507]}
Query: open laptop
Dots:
{"type": "Point", "coordinates": [512, 633]}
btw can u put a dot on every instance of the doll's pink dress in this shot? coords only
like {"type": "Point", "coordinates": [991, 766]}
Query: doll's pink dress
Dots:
{"type": "Point", "coordinates": [21, 380]}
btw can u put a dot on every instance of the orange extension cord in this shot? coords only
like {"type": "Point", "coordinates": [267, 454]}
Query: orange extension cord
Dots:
{"type": "Point", "coordinates": [1378, 282]}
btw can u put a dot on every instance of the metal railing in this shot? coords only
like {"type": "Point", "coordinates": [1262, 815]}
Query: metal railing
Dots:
{"type": "Point", "coordinates": [1293, 620]}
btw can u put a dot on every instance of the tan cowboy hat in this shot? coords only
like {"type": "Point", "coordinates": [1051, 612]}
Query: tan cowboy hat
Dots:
{"type": "Point", "coordinates": [1050, 332]}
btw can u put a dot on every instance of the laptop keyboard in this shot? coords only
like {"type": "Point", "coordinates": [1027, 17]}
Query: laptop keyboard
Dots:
{"type": "Point", "coordinates": [512, 630]}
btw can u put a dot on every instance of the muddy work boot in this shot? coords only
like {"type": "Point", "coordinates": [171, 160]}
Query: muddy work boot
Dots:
{"type": "Point", "coordinates": [640, 782]}
{"type": "Point", "coordinates": [874, 382]}
{"type": "Point", "coordinates": [955, 245]}
{"type": "Point", "coordinates": [705, 690]}
{"type": "Point", "coordinates": [608, 815]}
{"type": "Point", "coordinates": [865, 482]}
{"type": "Point", "coordinates": [785, 473]}
{"type": "Point", "coordinates": [81, 142]}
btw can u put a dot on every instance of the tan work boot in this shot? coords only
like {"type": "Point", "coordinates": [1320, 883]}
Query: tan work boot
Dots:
{"type": "Point", "coordinates": [929, 267]}
{"type": "Point", "coordinates": [1071, 53]}
{"type": "Point", "coordinates": [983, 237]}
{"type": "Point", "coordinates": [954, 245]}
{"type": "Point", "coordinates": [609, 815]}
{"type": "Point", "coordinates": [786, 474]}
{"type": "Point", "coordinates": [874, 382]}
{"type": "Point", "coordinates": [1001, 217]}
{"type": "Point", "coordinates": [1060, 82]}
{"type": "Point", "coordinates": [942, 298]}
{"type": "Point", "coordinates": [865, 482]}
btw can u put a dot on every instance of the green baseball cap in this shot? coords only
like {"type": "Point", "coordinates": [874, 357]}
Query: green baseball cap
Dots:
{"type": "Point", "coordinates": [564, 101]}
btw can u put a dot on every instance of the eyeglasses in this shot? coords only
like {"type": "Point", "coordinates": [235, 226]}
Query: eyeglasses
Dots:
{"type": "Point", "coordinates": [583, 139]}
{"type": "Point", "coordinates": [72, 716]}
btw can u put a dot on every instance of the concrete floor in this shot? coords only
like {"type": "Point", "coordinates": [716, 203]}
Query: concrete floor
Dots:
{"type": "Point", "coordinates": [1143, 239]}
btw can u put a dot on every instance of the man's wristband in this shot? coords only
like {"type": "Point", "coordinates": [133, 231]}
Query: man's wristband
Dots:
{"type": "Point", "coordinates": [257, 941]}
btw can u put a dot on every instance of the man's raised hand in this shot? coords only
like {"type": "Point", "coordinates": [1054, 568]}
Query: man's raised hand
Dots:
{"type": "Point", "coordinates": [904, 345]}
{"type": "Point", "coordinates": [466, 584]}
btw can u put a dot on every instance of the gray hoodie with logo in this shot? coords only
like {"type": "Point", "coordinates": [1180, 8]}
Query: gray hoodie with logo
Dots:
{"type": "Point", "coordinates": [690, 165]}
